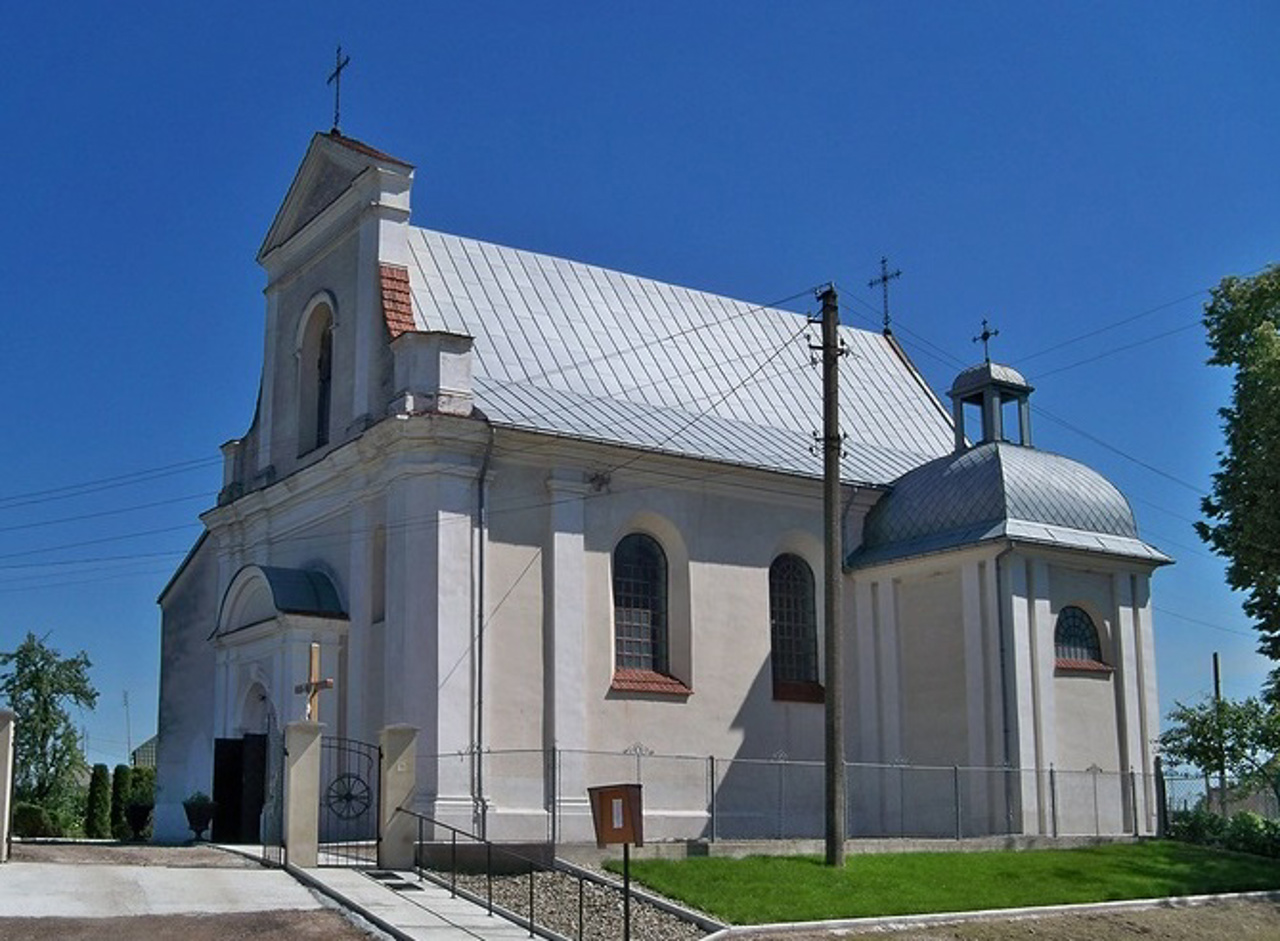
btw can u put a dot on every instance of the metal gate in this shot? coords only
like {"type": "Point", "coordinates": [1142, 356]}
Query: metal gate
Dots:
{"type": "Point", "coordinates": [273, 800]}
{"type": "Point", "coordinates": [348, 802]}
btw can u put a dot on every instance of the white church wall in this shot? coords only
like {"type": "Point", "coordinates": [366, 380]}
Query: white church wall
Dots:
{"type": "Point", "coordinates": [184, 746]}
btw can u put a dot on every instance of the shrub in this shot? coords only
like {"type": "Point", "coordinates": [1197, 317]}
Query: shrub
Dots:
{"type": "Point", "coordinates": [1247, 833]}
{"type": "Point", "coordinates": [97, 818]}
{"type": "Point", "coordinates": [32, 820]}
{"type": "Point", "coordinates": [138, 815]}
{"type": "Point", "coordinates": [121, 786]}
{"type": "Point", "coordinates": [1197, 826]}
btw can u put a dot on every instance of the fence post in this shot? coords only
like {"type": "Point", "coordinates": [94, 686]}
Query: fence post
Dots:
{"type": "Point", "coordinates": [1162, 801]}
{"type": "Point", "coordinates": [397, 781]}
{"type": "Point", "coordinates": [1053, 799]}
{"type": "Point", "coordinates": [302, 793]}
{"type": "Point", "coordinates": [1133, 801]}
{"type": "Point", "coordinates": [711, 782]}
{"type": "Point", "coordinates": [6, 779]}
{"type": "Point", "coordinates": [955, 786]}
{"type": "Point", "coordinates": [555, 795]}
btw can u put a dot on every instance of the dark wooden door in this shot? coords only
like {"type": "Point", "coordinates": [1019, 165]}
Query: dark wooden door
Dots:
{"type": "Point", "coordinates": [228, 789]}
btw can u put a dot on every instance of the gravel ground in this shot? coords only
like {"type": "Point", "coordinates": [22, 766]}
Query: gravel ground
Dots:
{"type": "Point", "coordinates": [556, 907]}
{"type": "Point", "coordinates": [130, 854]}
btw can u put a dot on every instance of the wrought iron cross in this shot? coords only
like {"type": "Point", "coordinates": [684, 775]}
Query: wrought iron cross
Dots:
{"type": "Point", "coordinates": [985, 338]}
{"type": "Point", "coordinates": [313, 685]}
{"type": "Point", "coordinates": [335, 79]}
{"type": "Point", "coordinates": [885, 277]}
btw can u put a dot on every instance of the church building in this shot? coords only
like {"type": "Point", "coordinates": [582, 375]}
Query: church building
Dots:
{"type": "Point", "coordinates": [567, 522]}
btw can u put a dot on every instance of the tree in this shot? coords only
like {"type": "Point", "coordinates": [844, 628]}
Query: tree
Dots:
{"type": "Point", "coordinates": [1243, 511]}
{"type": "Point", "coordinates": [1242, 737]}
{"type": "Point", "coordinates": [121, 793]}
{"type": "Point", "coordinates": [97, 815]}
{"type": "Point", "coordinates": [38, 686]}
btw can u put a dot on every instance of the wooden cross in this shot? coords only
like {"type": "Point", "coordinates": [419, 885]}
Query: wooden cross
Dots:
{"type": "Point", "coordinates": [313, 685]}
{"type": "Point", "coordinates": [984, 338]}
{"type": "Point", "coordinates": [884, 279]}
{"type": "Point", "coordinates": [335, 79]}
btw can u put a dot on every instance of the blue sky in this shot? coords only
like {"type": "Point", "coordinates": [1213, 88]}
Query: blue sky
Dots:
{"type": "Point", "coordinates": [1078, 173]}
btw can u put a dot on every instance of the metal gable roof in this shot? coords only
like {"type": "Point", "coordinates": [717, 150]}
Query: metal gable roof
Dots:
{"type": "Point", "coordinates": [569, 348]}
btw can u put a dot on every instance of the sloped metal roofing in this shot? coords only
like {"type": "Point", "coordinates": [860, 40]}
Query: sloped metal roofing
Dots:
{"type": "Point", "coordinates": [568, 348]}
{"type": "Point", "coordinates": [1001, 490]}
{"type": "Point", "coordinates": [985, 374]}
{"type": "Point", "coordinates": [302, 591]}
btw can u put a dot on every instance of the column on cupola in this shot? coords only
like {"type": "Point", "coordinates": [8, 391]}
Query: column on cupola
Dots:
{"type": "Point", "coordinates": [564, 653]}
{"type": "Point", "coordinates": [428, 668]}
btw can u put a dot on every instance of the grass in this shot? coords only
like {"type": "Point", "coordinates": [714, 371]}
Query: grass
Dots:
{"type": "Point", "coordinates": [763, 889]}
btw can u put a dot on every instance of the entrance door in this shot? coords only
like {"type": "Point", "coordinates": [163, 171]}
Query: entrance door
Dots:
{"type": "Point", "coordinates": [228, 789]}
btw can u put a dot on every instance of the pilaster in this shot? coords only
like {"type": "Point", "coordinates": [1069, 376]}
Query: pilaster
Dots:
{"type": "Point", "coordinates": [564, 651]}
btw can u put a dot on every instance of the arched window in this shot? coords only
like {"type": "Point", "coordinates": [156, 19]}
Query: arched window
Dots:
{"type": "Point", "coordinates": [640, 604]}
{"type": "Point", "coordinates": [315, 379]}
{"type": "Point", "coordinates": [1075, 638]}
{"type": "Point", "coordinates": [793, 630]}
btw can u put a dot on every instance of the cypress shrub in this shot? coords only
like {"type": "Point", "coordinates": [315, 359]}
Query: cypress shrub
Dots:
{"type": "Point", "coordinates": [142, 801]}
{"type": "Point", "coordinates": [121, 791]}
{"type": "Point", "coordinates": [97, 818]}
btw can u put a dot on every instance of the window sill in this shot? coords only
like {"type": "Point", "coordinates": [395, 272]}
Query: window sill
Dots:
{"type": "Point", "coordinates": [647, 681]}
{"type": "Point", "coordinates": [797, 691]}
{"type": "Point", "coordinates": [1082, 666]}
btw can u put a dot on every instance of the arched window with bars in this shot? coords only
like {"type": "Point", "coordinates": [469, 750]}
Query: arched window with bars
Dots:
{"type": "Point", "coordinates": [1075, 640]}
{"type": "Point", "coordinates": [640, 605]}
{"type": "Point", "coordinates": [793, 630]}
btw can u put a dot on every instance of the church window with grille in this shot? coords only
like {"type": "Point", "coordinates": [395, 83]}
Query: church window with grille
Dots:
{"type": "Point", "coordinates": [640, 604]}
{"type": "Point", "coordinates": [1075, 638]}
{"type": "Point", "coordinates": [793, 625]}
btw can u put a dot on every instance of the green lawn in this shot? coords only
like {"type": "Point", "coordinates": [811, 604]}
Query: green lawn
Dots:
{"type": "Point", "coordinates": [762, 889]}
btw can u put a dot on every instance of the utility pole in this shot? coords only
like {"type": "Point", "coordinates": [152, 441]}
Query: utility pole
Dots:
{"type": "Point", "coordinates": [832, 567]}
{"type": "Point", "coordinates": [1222, 745]}
{"type": "Point", "coordinates": [128, 732]}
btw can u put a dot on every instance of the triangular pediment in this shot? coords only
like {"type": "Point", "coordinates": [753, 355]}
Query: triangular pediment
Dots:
{"type": "Point", "coordinates": [331, 166]}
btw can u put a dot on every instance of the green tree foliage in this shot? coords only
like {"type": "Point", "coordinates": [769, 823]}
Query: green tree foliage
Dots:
{"type": "Point", "coordinates": [1243, 736]}
{"type": "Point", "coordinates": [1243, 511]}
{"type": "Point", "coordinates": [121, 792]}
{"type": "Point", "coordinates": [97, 817]}
{"type": "Point", "coordinates": [38, 686]}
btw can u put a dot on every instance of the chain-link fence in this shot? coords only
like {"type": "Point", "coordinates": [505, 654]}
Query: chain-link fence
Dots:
{"type": "Point", "coordinates": [540, 795]}
{"type": "Point", "coordinates": [1192, 792]}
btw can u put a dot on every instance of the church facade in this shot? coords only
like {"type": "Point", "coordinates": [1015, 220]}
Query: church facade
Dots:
{"type": "Point", "coordinates": [565, 521]}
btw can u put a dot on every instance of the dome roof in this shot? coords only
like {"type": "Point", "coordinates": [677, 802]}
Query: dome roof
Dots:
{"type": "Point", "coordinates": [1000, 490]}
{"type": "Point", "coordinates": [986, 374]}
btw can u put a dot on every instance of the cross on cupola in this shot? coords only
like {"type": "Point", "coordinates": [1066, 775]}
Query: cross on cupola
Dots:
{"type": "Point", "coordinates": [335, 79]}
{"type": "Point", "coordinates": [313, 686]}
{"type": "Point", "coordinates": [985, 338]}
{"type": "Point", "coordinates": [885, 277]}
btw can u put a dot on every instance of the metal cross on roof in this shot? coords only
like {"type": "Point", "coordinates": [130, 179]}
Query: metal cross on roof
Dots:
{"type": "Point", "coordinates": [335, 79]}
{"type": "Point", "coordinates": [985, 338]}
{"type": "Point", "coordinates": [313, 685]}
{"type": "Point", "coordinates": [884, 279]}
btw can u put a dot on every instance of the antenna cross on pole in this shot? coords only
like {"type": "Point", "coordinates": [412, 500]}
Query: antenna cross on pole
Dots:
{"type": "Point", "coordinates": [985, 338]}
{"type": "Point", "coordinates": [885, 277]}
{"type": "Point", "coordinates": [335, 79]}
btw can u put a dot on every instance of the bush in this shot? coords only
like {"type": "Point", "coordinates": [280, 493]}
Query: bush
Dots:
{"type": "Point", "coordinates": [1197, 826]}
{"type": "Point", "coordinates": [1247, 833]}
{"type": "Point", "coordinates": [97, 818]}
{"type": "Point", "coordinates": [121, 788]}
{"type": "Point", "coordinates": [143, 795]}
{"type": "Point", "coordinates": [32, 820]}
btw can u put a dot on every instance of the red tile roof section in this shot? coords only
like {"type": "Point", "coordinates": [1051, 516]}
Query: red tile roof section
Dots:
{"type": "Point", "coordinates": [1083, 666]}
{"type": "Point", "coordinates": [646, 681]}
{"type": "Point", "coordinates": [397, 303]}
{"type": "Point", "coordinates": [362, 148]}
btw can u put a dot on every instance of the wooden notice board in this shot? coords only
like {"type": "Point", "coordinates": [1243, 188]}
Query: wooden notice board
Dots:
{"type": "Point", "coordinates": [617, 812]}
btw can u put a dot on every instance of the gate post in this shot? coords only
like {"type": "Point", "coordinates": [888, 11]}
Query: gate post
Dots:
{"type": "Point", "coordinates": [397, 780]}
{"type": "Point", "coordinates": [6, 779]}
{"type": "Point", "coordinates": [302, 793]}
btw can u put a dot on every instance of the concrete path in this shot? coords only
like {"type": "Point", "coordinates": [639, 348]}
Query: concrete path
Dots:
{"type": "Point", "coordinates": [45, 890]}
{"type": "Point", "coordinates": [407, 908]}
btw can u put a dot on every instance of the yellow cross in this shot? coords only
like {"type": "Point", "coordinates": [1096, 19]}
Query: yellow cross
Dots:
{"type": "Point", "coordinates": [313, 685]}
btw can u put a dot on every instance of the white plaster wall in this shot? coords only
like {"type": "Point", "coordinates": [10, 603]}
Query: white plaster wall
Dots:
{"type": "Point", "coordinates": [184, 746]}
{"type": "Point", "coordinates": [931, 638]}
